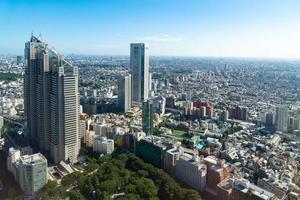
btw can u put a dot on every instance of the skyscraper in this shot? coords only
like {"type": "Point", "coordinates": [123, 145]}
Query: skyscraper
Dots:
{"type": "Point", "coordinates": [124, 93]}
{"type": "Point", "coordinates": [147, 117]}
{"type": "Point", "coordinates": [51, 101]}
{"type": "Point", "coordinates": [139, 66]}
{"type": "Point", "coordinates": [281, 118]}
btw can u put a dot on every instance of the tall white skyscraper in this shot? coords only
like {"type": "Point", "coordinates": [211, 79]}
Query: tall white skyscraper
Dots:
{"type": "Point", "coordinates": [51, 101]}
{"type": "Point", "coordinates": [124, 93]}
{"type": "Point", "coordinates": [282, 118]}
{"type": "Point", "coordinates": [139, 66]}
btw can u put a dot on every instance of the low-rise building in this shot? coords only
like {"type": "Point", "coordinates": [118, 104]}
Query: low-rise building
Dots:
{"type": "Point", "coordinates": [191, 171]}
{"type": "Point", "coordinates": [103, 145]}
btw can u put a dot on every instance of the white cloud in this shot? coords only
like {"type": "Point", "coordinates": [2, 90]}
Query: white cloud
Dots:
{"type": "Point", "coordinates": [160, 38]}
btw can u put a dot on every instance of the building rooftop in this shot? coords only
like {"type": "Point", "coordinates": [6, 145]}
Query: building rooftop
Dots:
{"type": "Point", "coordinates": [32, 159]}
{"type": "Point", "coordinates": [226, 184]}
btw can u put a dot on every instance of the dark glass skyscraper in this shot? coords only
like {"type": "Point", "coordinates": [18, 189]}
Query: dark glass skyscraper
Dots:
{"type": "Point", "coordinates": [139, 66]}
{"type": "Point", "coordinates": [147, 117]}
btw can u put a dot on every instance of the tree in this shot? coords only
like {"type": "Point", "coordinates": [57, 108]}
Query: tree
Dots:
{"type": "Point", "coordinates": [52, 191]}
{"type": "Point", "coordinates": [91, 167]}
{"type": "Point", "coordinates": [146, 188]}
{"type": "Point", "coordinates": [170, 190]}
{"type": "Point", "coordinates": [191, 194]}
{"type": "Point", "coordinates": [75, 195]}
{"type": "Point", "coordinates": [75, 179]}
{"type": "Point", "coordinates": [129, 196]}
{"type": "Point", "coordinates": [109, 185]}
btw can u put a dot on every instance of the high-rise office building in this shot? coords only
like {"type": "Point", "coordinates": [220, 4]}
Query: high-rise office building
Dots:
{"type": "Point", "coordinates": [282, 118]}
{"type": "Point", "coordinates": [139, 66]}
{"type": "Point", "coordinates": [147, 117]}
{"type": "Point", "coordinates": [51, 101]}
{"type": "Point", "coordinates": [269, 119]}
{"type": "Point", "coordinates": [124, 93]}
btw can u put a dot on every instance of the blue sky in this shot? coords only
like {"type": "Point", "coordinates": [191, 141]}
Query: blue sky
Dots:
{"type": "Point", "coordinates": [229, 28]}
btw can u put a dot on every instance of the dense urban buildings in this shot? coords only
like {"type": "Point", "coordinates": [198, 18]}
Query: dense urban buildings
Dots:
{"type": "Point", "coordinates": [201, 125]}
{"type": "Point", "coordinates": [51, 101]}
{"type": "Point", "coordinates": [170, 100]}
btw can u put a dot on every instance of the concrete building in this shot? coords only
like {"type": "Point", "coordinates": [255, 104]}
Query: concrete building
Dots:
{"type": "Point", "coordinates": [224, 116]}
{"type": "Point", "coordinates": [269, 119]}
{"type": "Point", "coordinates": [297, 123]}
{"type": "Point", "coordinates": [103, 145]}
{"type": "Point", "coordinates": [170, 102]}
{"type": "Point", "coordinates": [82, 129]}
{"type": "Point", "coordinates": [241, 189]}
{"type": "Point", "coordinates": [51, 101]}
{"type": "Point", "coordinates": [189, 170]}
{"type": "Point", "coordinates": [1, 122]}
{"type": "Point", "coordinates": [217, 171]}
{"type": "Point", "coordinates": [244, 190]}
{"type": "Point", "coordinates": [275, 186]}
{"type": "Point", "coordinates": [139, 67]}
{"type": "Point", "coordinates": [159, 104]}
{"type": "Point", "coordinates": [17, 141]}
{"type": "Point", "coordinates": [282, 118]}
{"type": "Point", "coordinates": [88, 138]}
{"type": "Point", "coordinates": [202, 111]}
{"type": "Point", "coordinates": [102, 129]}
{"type": "Point", "coordinates": [30, 171]}
{"type": "Point", "coordinates": [170, 159]}
{"type": "Point", "coordinates": [124, 93]}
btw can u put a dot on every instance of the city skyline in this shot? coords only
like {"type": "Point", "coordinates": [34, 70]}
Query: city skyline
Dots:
{"type": "Point", "coordinates": [263, 29]}
{"type": "Point", "coordinates": [150, 99]}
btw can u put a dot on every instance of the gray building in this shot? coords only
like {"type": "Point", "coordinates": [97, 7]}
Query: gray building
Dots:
{"type": "Point", "coordinates": [189, 170]}
{"type": "Point", "coordinates": [51, 101]}
{"type": "Point", "coordinates": [139, 66]}
{"type": "Point", "coordinates": [124, 93]}
{"type": "Point", "coordinates": [282, 118]}
{"type": "Point", "coordinates": [30, 171]}
{"type": "Point", "coordinates": [159, 104]}
{"type": "Point", "coordinates": [103, 145]}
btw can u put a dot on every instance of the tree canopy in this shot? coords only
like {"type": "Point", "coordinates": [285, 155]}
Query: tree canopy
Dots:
{"type": "Point", "coordinates": [122, 177]}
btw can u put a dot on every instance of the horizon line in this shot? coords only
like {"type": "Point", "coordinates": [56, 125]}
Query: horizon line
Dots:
{"type": "Point", "coordinates": [175, 56]}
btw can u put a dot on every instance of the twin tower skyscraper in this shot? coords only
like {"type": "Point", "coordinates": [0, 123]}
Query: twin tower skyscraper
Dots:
{"type": "Point", "coordinates": [135, 86]}
{"type": "Point", "coordinates": [51, 97]}
{"type": "Point", "coordinates": [51, 102]}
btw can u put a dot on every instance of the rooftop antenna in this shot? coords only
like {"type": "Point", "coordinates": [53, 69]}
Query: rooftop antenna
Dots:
{"type": "Point", "coordinates": [32, 33]}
